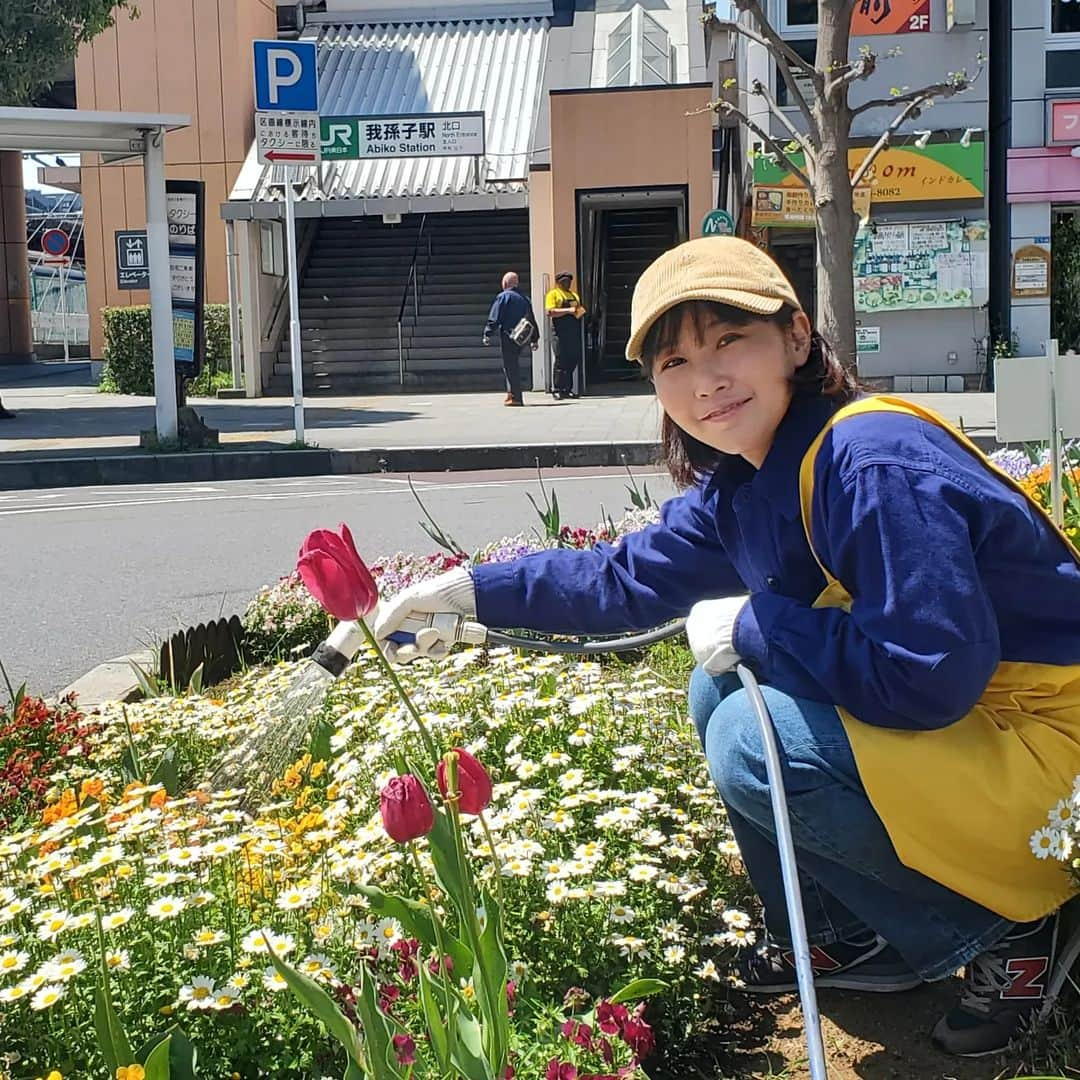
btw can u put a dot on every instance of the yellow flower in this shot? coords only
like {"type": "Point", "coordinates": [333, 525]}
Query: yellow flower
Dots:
{"type": "Point", "coordinates": [165, 1010]}
{"type": "Point", "coordinates": [131, 1072]}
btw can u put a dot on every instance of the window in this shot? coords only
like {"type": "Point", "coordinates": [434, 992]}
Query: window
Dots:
{"type": "Point", "coordinates": [1065, 16]}
{"type": "Point", "coordinates": [639, 51]}
{"type": "Point", "coordinates": [807, 49]}
{"type": "Point", "coordinates": [798, 15]}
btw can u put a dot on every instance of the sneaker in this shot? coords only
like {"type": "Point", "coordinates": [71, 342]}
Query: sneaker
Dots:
{"type": "Point", "coordinates": [1005, 990]}
{"type": "Point", "coordinates": [871, 965]}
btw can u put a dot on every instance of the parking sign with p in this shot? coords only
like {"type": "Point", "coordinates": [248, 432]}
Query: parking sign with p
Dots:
{"type": "Point", "coordinates": [286, 76]}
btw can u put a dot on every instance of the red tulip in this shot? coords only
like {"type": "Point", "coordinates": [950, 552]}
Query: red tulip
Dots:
{"type": "Point", "coordinates": [406, 810]}
{"type": "Point", "coordinates": [474, 784]}
{"type": "Point", "coordinates": [336, 575]}
{"type": "Point", "coordinates": [405, 1049]}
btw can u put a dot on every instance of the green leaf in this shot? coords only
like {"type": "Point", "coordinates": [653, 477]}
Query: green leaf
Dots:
{"type": "Point", "coordinates": [436, 1024]}
{"type": "Point", "coordinates": [444, 858]}
{"type": "Point", "coordinates": [157, 1064]}
{"type": "Point", "coordinates": [150, 687]}
{"type": "Point", "coordinates": [167, 773]}
{"type": "Point", "coordinates": [416, 920]}
{"type": "Point", "coordinates": [182, 1052]}
{"type": "Point", "coordinates": [321, 735]}
{"type": "Point", "coordinates": [378, 1032]}
{"type": "Point", "coordinates": [639, 988]}
{"type": "Point", "coordinates": [467, 1053]}
{"type": "Point", "coordinates": [112, 1040]}
{"type": "Point", "coordinates": [195, 683]}
{"type": "Point", "coordinates": [321, 1005]}
{"type": "Point", "coordinates": [489, 979]}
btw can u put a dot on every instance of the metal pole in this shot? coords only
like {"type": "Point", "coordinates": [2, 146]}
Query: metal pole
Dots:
{"type": "Point", "coordinates": [63, 313]}
{"type": "Point", "coordinates": [400, 357]}
{"type": "Point", "coordinates": [295, 352]}
{"type": "Point", "coordinates": [804, 970]}
{"type": "Point", "coordinates": [161, 326]}
{"type": "Point", "coordinates": [234, 305]}
{"type": "Point", "coordinates": [1057, 497]}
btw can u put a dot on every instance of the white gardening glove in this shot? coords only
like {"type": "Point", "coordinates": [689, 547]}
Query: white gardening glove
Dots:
{"type": "Point", "coordinates": [710, 628]}
{"type": "Point", "coordinates": [451, 595]}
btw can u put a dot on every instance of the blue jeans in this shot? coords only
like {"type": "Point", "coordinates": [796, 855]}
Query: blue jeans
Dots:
{"type": "Point", "coordinates": [851, 876]}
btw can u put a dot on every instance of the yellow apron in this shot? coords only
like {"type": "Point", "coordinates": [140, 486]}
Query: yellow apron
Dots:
{"type": "Point", "coordinates": [960, 804]}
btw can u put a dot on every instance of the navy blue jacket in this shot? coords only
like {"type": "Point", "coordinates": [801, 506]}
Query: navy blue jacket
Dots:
{"type": "Point", "coordinates": [509, 308]}
{"type": "Point", "coordinates": [952, 571]}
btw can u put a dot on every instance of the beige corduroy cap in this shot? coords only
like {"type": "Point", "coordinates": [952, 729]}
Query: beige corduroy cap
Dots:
{"type": "Point", "coordinates": [721, 268]}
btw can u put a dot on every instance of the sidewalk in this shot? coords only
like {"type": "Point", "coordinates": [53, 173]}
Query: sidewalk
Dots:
{"type": "Point", "coordinates": [67, 434]}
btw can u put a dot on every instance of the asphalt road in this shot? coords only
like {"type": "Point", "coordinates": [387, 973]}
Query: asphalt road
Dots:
{"type": "Point", "coordinates": [93, 573]}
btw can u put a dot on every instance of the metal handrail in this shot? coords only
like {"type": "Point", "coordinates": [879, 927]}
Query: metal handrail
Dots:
{"type": "Point", "coordinates": [414, 280]}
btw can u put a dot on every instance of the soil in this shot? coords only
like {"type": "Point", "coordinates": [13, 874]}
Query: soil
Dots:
{"type": "Point", "coordinates": [866, 1037]}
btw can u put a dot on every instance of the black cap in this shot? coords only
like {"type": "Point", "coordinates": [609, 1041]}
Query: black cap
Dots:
{"type": "Point", "coordinates": [564, 274]}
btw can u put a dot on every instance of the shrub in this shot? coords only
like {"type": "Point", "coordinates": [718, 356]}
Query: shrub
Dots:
{"type": "Point", "coordinates": [129, 359]}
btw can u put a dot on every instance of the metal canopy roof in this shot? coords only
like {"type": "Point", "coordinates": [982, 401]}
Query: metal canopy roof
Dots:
{"type": "Point", "coordinates": [117, 134]}
{"type": "Point", "coordinates": [490, 65]}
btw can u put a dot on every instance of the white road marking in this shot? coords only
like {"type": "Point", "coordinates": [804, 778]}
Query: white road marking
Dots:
{"type": "Point", "coordinates": [259, 496]}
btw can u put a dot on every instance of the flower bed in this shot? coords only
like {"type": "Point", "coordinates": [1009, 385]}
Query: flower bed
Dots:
{"type": "Point", "coordinates": [608, 848]}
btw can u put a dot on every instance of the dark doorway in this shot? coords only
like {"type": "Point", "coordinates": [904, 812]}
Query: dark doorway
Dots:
{"type": "Point", "coordinates": [620, 234]}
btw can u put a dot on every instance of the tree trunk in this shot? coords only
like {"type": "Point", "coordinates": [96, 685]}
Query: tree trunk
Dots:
{"type": "Point", "coordinates": [837, 222]}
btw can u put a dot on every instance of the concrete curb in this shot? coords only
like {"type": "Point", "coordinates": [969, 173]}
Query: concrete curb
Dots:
{"type": "Point", "coordinates": [219, 465]}
{"type": "Point", "coordinates": [113, 680]}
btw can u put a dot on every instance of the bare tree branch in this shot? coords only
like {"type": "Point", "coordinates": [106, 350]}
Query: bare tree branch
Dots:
{"type": "Point", "coordinates": [785, 58]}
{"type": "Point", "coordinates": [759, 89]}
{"type": "Point", "coordinates": [913, 108]}
{"type": "Point", "coordinates": [862, 68]}
{"type": "Point", "coordinates": [955, 84]}
{"type": "Point", "coordinates": [725, 108]}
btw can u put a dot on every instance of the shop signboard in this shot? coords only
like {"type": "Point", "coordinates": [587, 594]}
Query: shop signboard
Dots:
{"type": "Point", "coordinates": [718, 223]}
{"type": "Point", "coordinates": [937, 172]}
{"type": "Point", "coordinates": [920, 266]}
{"type": "Point", "coordinates": [867, 339]}
{"type": "Point", "coordinates": [792, 207]}
{"type": "Point", "coordinates": [1031, 272]}
{"type": "Point", "coordinates": [1064, 122]}
{"type": "Point", "coordinates": [890, 17]}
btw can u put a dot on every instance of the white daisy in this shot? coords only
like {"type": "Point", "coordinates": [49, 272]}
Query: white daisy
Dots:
{"type": "Point", "coordinates": [13, 961]}
{"type": "Point", "coordinates": [707, 971]}
{"type": "Point", "coordinates": [168, 907]}
{"type": "Point", "coordinates": [199, 993]}
{"type": "Point", "coordinates": [47, 996]}
{"type": "Point", "coordinates": [1044, 842]}
{"type": "Point", "coordinates": [274, 982]}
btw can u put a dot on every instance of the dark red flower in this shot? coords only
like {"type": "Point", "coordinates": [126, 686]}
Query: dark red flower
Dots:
{"type": "Point", "coordinates": [405, 1049]}
{"type": "Point", "coordinates": [610, 1018]}
{"type": "Point", "coordinates": [336, 575]}
{"type": "Point", "coordinates": [406, 810]}
{"type": "Point", "coordinates": [560, 1070]}
{"type": "Point", "coordinates": [474, 784]}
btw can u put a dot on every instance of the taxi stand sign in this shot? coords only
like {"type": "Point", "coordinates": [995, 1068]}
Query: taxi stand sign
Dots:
{"type": "Point", "coordinates": [287, 138]}
{"type": "Point", "coordinates": [1037, 399]}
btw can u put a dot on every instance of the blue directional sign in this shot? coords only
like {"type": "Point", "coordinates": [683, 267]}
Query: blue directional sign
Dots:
{"type": "Point", "coordinates": [286, 76]}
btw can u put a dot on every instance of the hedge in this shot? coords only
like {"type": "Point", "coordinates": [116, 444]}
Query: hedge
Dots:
{"type": "Point", "coordinates": [129, 359]}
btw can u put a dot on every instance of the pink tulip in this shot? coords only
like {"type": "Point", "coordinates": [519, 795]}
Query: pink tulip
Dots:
{"type": "Point", "coordinates": [336, 575]}
{"type": "Point", "coordinates": [474, 784]}
{"type": "Point", "coordinates": [406, 810]}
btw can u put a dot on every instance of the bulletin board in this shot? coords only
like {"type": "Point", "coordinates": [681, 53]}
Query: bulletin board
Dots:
{"type": "Point", "coordinates": [922, 265]}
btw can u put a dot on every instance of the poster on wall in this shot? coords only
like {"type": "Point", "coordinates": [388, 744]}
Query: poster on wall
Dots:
{"type": "Point", "coordinates": [920, 266]}
{"type": "Point", "coordinates": [185, 201]}
{"type": "Point", "coordinates": [890, 17]}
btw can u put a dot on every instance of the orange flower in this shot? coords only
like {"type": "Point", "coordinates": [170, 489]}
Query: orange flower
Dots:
{"type": "Point", "coordinates": [92, 789]}
{"type": "Point", "coordinates": [159, 799]}
{"type": "Point", "coordinates": [59, 810]}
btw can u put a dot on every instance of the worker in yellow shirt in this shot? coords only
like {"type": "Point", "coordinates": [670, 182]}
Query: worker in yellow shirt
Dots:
{"type": "Point", "coordinates": [564, 309]}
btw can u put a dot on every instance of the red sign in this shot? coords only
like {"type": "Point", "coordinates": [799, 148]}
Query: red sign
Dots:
{"type": "Point", "coordinates": [891, 17]}
{"type": "Point", "coordinates": [1065, 122]}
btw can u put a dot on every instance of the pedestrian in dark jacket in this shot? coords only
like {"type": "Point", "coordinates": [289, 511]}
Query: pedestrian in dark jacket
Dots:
{"type": "Point", "coordinates": [509, 308]}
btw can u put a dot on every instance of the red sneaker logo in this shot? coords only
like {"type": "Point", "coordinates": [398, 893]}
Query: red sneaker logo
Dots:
{"type": "Point", "coordinates": [1028, 975]}
{"type": "Point", "coordinates": [820, 960]}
